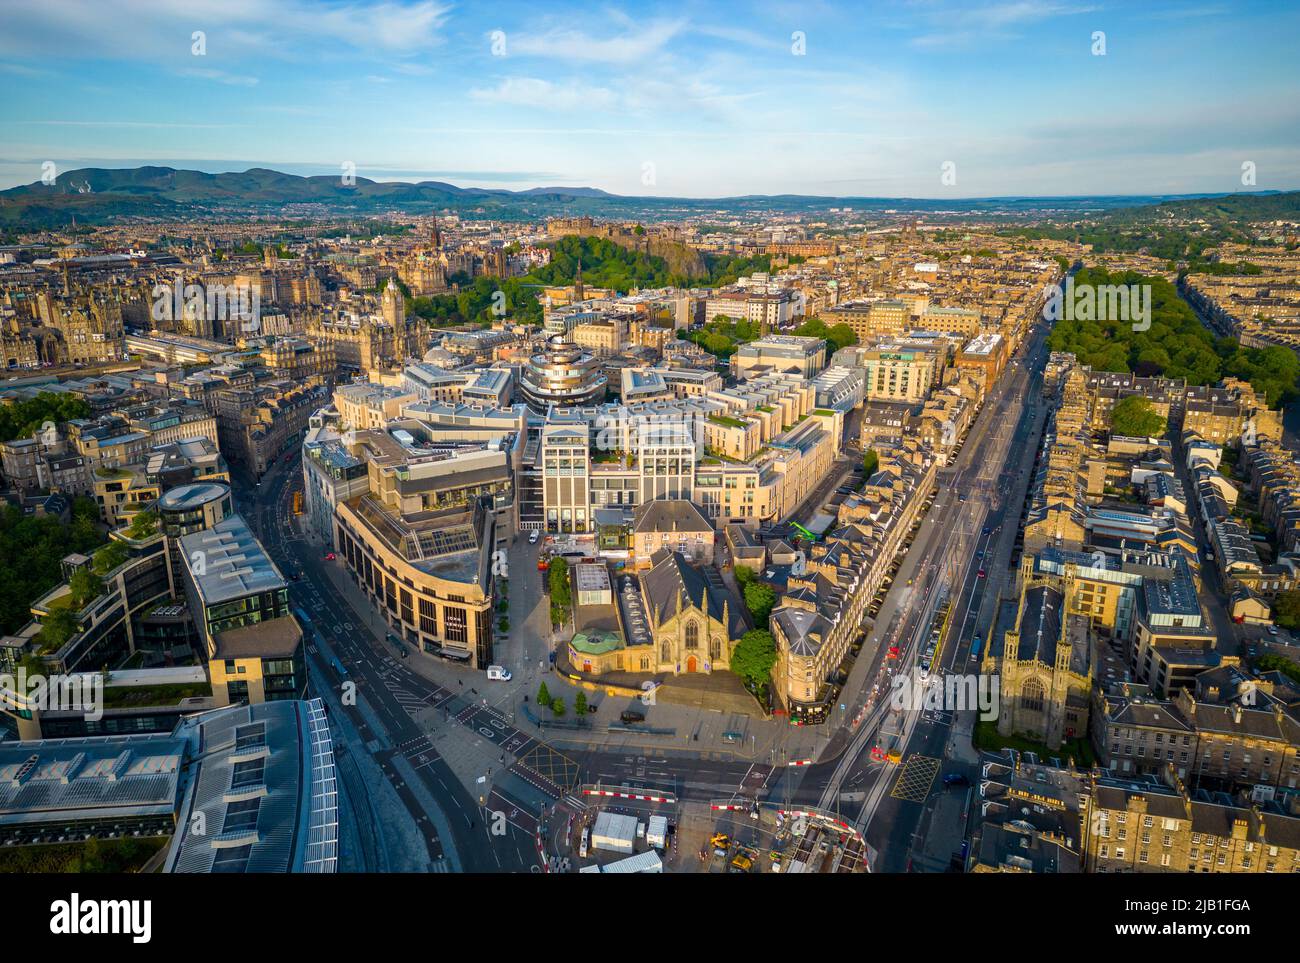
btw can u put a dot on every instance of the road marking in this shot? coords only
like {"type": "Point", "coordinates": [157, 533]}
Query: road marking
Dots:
{"type": "Point", "coordinates": [915, 778]}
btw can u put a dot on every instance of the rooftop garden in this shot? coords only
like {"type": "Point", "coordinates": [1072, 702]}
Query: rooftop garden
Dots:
{"type": "Point", "coordinates": [135, 696]}
{"type": "Point", "coordinates": [726, 422]}
{"type": "Point", "coordinates": [90, 856]}
{"type": "Point", "coordinates": [143, 525]}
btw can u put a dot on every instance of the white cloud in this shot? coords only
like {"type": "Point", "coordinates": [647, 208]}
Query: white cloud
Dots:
{"type": "Point", "coordinates": [161, 29]}
{"type": "Point", "coordinates": [627, 48]}
{"type": "Point", "coordinates": [221, 77]}
{"type": "Point", "coordinates": [537, 93]}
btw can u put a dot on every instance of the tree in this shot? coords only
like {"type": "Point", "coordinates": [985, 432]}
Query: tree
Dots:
{"type": "Point", "coordinates": [85, 586]}
{"type": "Point", "coordinates": [1277, 663]}
{"type": "Point", "coordinates": [759, 599]}
{"type": "Point", "coordinates": [31, 554]}
{"type": "Point", "coordinates": [558, 706]}
{"type": "Point", "coordinates": [543, 695]}
{"type": "Point", "coordinates": [870, 461]}
{"type": "Point", "coordinates": [22, 419]}
{"type": "Point", "coordinates": [110, 557]}
{"type": "Point", "coordinates": [558, 582]}
{"type": "Point", "coordinates": [1286, 609]}
{"type": "Point", "coordinates": [57, 627]}
{"type": "Point", "coordinates": [1136, 417]}
{"type": "Point", "coordinates": [580, 703]}
{"type": "Point", "coordinates": [753, 658]}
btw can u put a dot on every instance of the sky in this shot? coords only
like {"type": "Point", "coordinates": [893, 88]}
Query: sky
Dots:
{"type": "Point", "coordinates": [913, 98]}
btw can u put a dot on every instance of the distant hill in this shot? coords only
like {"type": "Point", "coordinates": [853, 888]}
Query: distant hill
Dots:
{"type": "Point", "coordinates": [98, 195]}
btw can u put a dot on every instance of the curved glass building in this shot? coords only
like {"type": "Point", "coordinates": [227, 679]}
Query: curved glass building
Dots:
{"type": "Point", "coordinates": [562, 374]}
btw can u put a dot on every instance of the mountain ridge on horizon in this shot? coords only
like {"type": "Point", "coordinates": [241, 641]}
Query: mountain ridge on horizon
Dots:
{"type": "Point", "coordinates": [97, 194]}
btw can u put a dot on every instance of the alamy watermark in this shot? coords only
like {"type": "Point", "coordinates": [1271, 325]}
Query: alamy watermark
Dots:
{"type": "Point", "coordinates": [213, 302]}
{"type": "Point", "coordinates": [918, 692]}
{"type": "Point", "coordinates": [81, 692]}
{"type": "Point", "coordinates": [1128, 303]}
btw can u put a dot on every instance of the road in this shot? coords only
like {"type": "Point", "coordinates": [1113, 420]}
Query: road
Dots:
{"type": "Point", "coordinates": [405, 712]}
{"type": "Point", "coordinates": [402, 707]}
{"type": "Point", "coordinates": [970, 528]}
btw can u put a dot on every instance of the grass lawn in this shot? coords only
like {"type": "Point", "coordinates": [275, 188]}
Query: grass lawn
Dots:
{"type": "Point", "coordinates": [987, 738]}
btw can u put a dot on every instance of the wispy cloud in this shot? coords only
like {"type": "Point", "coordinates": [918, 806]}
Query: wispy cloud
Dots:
{"type": "Point", "coordinates": [220, 76]}
{"type": "Point", "coordinates": [232, 28]}
{"type": "Point", "coordinates": [961, 24]}
{"type": "Point", "coordinates": [626, 48]}
{"type": "Point", "coordinates": [541, 94]}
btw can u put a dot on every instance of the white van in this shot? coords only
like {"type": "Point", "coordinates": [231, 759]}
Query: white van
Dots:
{"type": "Point", "coordinates": [499, 673]}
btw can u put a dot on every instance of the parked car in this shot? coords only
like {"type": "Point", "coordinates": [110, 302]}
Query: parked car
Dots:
{"type": "Point", "coordinates": [499, 673]}
{"type": "Point", "coordinates": [532, 538]}
{"type": "Point", "coordinates": [955, 779]}
{"type": "Point", "coordinates": [630, 716]}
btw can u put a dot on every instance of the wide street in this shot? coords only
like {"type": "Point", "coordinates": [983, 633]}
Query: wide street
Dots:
{"type": "Point", "coordinates": [410, 715]}
{"type": "Point", "coordinates": [970, 528]}
{"type": "Point", "coordinates": [396, 708]}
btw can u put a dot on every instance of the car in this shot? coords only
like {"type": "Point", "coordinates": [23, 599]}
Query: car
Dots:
{"type": "Point", "coordinates": [499, 673]}
{"type": "Point", "coordinates": [986, 530]}
{"type": "Point", "coordinates": [956, 779]}
{"type": "Point", "coordinates": [1272, 630]}
{"type": "Point", "coordinates": [981, 573]}
{"type": "Point", "coordinates": [330, 556]}
{"type": "Point", "coordinates": [630, 716]}
{"type": "Point", "coordinates": [893, 652]}
{"type": "Point", "coordinates": [532, 538]}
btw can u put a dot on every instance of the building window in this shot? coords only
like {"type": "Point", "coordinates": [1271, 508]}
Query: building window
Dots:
{"type": "Point", "coordinates": [1033, 695]}
{"type": "Point", "coordinates": [454, 625]}
{"type": "Point", "coordinates": [692, 636]}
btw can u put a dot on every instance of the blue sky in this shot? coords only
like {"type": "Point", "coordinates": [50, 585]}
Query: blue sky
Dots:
{"type": "Point", "coordinates": [677, 99]}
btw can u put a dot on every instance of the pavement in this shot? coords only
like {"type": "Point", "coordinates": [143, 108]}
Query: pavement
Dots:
{"type": "Point", "coordinates": [433, 752]}
{"type": "Point", "coordinates": [893, 802]}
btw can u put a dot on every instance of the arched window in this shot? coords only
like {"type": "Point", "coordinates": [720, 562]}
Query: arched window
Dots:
{"type": "Point", "coordinates": [692, 635]}
{"type": "Point", "coordinates": [715, 649]}
{"type": "Point", "coordinates": [666, 651]}
{"type": "Point", "coordinates": [1033, 695]}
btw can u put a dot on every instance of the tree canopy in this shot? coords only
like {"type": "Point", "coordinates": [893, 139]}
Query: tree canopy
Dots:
{"type": "Point", "coordinates": [477, 302]}
{"type": "Point", "coordinates": [1136, 417]}
{"type": "Point", "coordinates": [759, 599]}
{"type": "Point", "coordinates": [1175, 345]}
{"type": "Point", "coordinates": [754, 656]}
{"type": "Point", "coordinates": [837, 336]}
{"type": "Point", "coordinates": [31, 554]}
{"type": "Point", "coordinates": [561, 599]}
{"type": "Point", "coordinates": [23, 418]}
